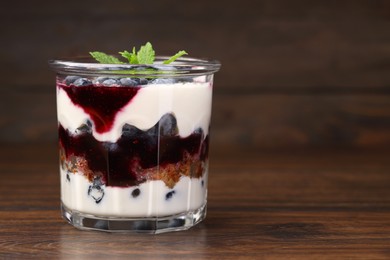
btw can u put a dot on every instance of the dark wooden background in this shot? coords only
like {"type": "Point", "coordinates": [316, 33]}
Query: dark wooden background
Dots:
{"type": "Point", "coordinates": [295, 73]}
{"type": "Point", "coordinates": [300, 133]}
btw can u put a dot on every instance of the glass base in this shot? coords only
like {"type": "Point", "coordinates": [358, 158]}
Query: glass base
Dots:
{"type": "Point", "coordinates": [152, 225]}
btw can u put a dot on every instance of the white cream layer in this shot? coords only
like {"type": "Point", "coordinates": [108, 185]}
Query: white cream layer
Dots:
{"type": "Point", "coordinates": [189, 194]}
{"type": "Point", "coordinates": [189, 102]}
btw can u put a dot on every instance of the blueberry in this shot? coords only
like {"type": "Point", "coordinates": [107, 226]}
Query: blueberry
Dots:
{"type": "Point", "coordinates": [184, 80]}
{"type": "Point", "coordinates": [135, 193]}
{"type": "Point", "coordinates": [153, 131]}
{"type": "Point", "coordinates": [163, 67]}
{"type": "Point", "coordinates": [110, 82]}
{"type": "Point", "coordinates": [131, 131]}
{"type": "Point", "coordinates": [169, 195]}
{"type": "Point", "coordinates": [168, 125]}
{"type": "Point", "coordinates": [96, 190]}
{"type": "Point", "coordinates": [163, 81]}
{"type": "Point", "coordinates": [202, 183]}
{"type": "Point", "coordinates": [85, 128]}
{"type": "Point", "coordinates": [128, 82]}
{"type": "Point", "coordinates": [67, 177]}
{"type": "Point", "coordinates": [152, 142]}
{"type": "Point", "coordinates": [141, 81]}
{"type": "Point", "coordinates": [70, 79]}
{"type": "Point", "coordinates": [82, 82]}
{"type": "Point", "coordinates": [146, 67]}
{"type": "Point", "coordinates": [198, 131]}
{"type": "Point", "coordinates": [99, 80]}
{"type": "Point", "coordinates": [110, 146]}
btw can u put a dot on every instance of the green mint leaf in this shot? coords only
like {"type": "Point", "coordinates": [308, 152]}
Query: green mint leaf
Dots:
{"type": "Point", "coordinates": [145, 54]}
{"type": "Point", "coordinates": [174, 57]}
{"type": "Point", "coordinates": [133, 58]}
{"type": "Point", "coordinates": [104, 58]}
{"type": "Point", "coordinates": [125, 54]}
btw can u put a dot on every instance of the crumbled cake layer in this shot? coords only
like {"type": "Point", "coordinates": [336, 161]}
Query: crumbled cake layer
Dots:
{"type": "Point", "coordinates": [169, 173]}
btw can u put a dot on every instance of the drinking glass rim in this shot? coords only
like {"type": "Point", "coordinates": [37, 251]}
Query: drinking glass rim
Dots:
{"type": "Point", "coordinates": [86, 65]}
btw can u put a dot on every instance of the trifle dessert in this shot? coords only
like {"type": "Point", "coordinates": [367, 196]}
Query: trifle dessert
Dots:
{"type": "Point", "coordinates": [134, 140]}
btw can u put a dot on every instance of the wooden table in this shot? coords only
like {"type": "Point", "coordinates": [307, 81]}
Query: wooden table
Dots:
{"type": "Point", "coordinates": [281, 204]}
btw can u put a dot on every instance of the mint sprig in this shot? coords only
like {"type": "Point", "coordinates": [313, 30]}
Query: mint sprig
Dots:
{"type": "Point", "coordinates": [127, 55]}
{"type": "Point", "coordinates": [145, 55]}
{"type": "Point", "coordinates": [133, 57]}
{"type": "Point", "coordinates": [104, 58]}
{"type": "Point", "coordinates": [175, 57]}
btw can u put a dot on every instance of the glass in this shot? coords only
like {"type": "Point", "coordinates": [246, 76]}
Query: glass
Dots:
{"type": "Point", "coordinates": [133, 143]}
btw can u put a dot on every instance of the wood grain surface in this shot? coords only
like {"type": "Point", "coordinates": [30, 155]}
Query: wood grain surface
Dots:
{"type": "Point", "coordinates": [298, 204]}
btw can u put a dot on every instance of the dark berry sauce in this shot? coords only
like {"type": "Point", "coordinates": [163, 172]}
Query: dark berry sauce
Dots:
{"type": "Point", "coordinates": [101, 103]}
{"type": "Point", "coordinates": [123, 163]}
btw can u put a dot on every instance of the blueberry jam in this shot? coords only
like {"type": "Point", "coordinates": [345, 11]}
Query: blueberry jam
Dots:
{"type": "Point", "coordinates": [123, 163]}
{"type": "Point", "coordinates": [101, 103]}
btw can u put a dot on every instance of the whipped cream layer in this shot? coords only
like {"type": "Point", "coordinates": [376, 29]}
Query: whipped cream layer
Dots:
{"type": "Point", "coordinates": [154, 198]}
{"type": "Point", "coordinates": [189, 102]}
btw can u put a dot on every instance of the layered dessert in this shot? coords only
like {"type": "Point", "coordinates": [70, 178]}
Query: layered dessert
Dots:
{"type": "Point", "coordinates": [133, 147]}
{"type": "Point", "coordinates": [134, 139]}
